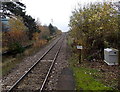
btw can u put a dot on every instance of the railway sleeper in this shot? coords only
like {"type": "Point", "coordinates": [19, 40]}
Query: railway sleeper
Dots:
{"type": "Point", "coordinates": [46, 60]}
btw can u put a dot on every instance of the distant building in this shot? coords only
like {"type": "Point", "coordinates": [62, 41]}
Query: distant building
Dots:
{"type": "Point", "coordinates": [5, 24]}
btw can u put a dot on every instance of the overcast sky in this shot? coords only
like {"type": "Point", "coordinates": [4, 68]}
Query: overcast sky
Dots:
{"type": "Point", "coordinates": [57, 10]}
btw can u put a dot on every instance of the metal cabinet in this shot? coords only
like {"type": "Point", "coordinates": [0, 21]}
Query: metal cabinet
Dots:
{"type": "Point", "coordinates": [111, 56]}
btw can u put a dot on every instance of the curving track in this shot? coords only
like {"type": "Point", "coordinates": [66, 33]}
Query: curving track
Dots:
{"type": "Point", "coordinates": [35, 78]}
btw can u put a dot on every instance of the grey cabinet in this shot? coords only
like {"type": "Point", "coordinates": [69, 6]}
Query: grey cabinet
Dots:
{"type": "Point", "coordinates": [111, 56]}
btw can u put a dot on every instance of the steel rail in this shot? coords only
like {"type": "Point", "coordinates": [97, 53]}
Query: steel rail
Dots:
{"type": "Point", "coordinates": [18, 81]}
{"type": "Point", "coordinates": [48, 73]}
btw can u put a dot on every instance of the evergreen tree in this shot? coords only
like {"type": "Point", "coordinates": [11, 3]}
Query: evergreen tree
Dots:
{"type": "Point", "coordinates": [18, 9]}
{"type": "Point", "coordinates": [51, 28]}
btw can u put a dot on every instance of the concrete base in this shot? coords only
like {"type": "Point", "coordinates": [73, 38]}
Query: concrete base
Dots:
{"type": "Point", "coordinates": [114, 63]}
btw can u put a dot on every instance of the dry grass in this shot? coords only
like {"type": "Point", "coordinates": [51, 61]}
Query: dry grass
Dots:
{"type": "Point", "coordinates": [10, 62]}
{"type": "Point", "coordinates": [39, 43]}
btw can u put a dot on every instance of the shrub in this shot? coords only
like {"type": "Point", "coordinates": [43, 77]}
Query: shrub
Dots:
{"type": "Point", "coordinates": [39, 43]}
{"type": "Point", "coordinates": [16, 48]}
{"type": "Point", "coordinates": [47, 38]}
{"type": "Point", "coordinates": [95, 27]}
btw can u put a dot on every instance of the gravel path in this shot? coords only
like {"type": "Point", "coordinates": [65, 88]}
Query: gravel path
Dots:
{"type": "Point", "coordinates": [16, 73]}
{"type": "Point", "coordinates": [66, 80]}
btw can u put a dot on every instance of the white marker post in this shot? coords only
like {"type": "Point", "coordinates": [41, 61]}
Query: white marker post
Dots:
{"type": "Point", "coordinates": [80, 55]}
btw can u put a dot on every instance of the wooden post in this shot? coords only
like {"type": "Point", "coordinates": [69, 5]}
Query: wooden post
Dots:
{"type": "Point", "coordinates": [79, 56]}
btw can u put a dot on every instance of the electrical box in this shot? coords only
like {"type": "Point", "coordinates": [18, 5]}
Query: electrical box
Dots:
{"type": "Point", "coordinates": [111, 56]}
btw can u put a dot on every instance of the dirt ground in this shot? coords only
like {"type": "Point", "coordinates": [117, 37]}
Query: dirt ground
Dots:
{"type": "Point", "coordinates": [108, 74]}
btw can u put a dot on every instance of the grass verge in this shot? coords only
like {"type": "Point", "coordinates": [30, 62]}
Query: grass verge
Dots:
{"type": "Point", "coordinates": [86, 79]}
{"type": "Point", "coordinates": [9, 64]}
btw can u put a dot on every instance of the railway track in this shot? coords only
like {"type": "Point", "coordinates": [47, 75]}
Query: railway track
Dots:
{"type": "Point", "coordinates": [36, 76]}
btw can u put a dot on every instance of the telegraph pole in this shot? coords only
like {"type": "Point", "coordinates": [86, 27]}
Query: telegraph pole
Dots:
{"type": "Point", "coordinates": [52, 21]}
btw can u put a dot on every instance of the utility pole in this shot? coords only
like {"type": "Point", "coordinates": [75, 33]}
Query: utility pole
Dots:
{"type": "Point", "coordinates": [52, 21]}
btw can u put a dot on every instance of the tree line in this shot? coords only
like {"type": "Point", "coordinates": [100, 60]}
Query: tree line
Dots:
{"type": "Point", "coordinates": [95, 27]}
{"type": "Point", "coordinates": [23, 28]}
